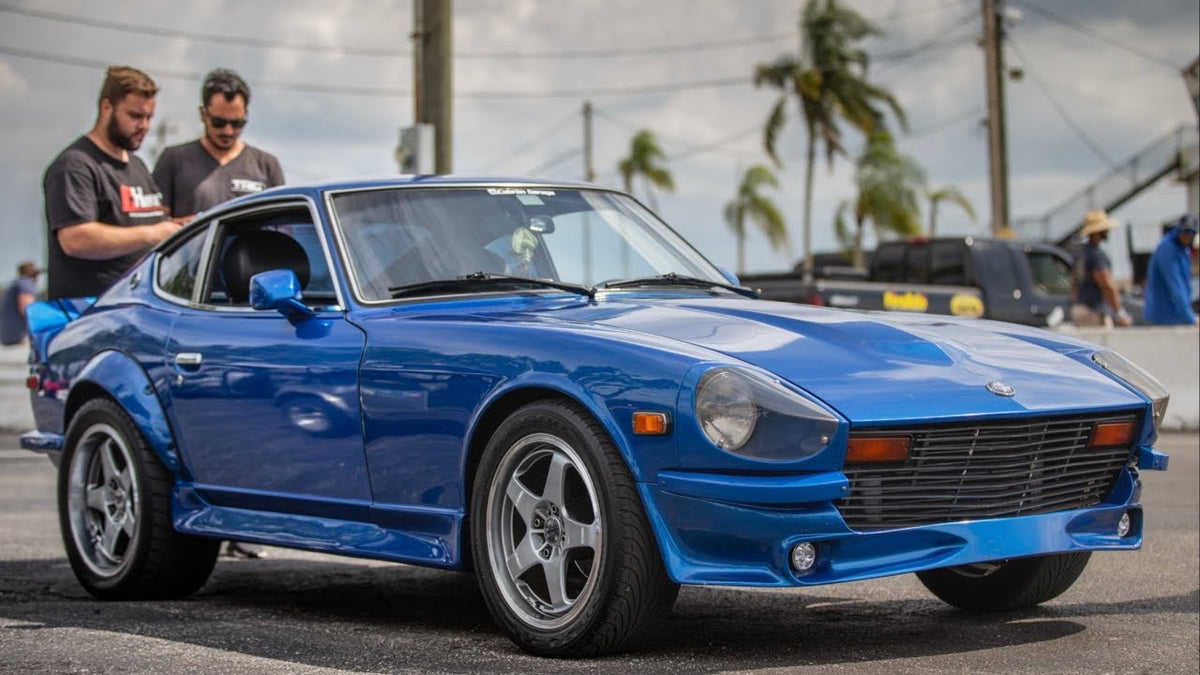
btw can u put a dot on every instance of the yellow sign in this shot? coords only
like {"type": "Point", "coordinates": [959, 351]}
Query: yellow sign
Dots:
{"type": "Point", "coordinates": [905, 302]}
{"type": "Point", "coordinates": [966, 305]}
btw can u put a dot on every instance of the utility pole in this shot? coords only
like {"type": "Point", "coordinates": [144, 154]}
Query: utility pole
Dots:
{"type": "Point", "coordinates": [589, 171]}
{"type": "Point", "coordinates": [993, 45]}
{"type": "Point", "coordinates": [433, 75]}
{"type": "Point", "coordinates": [589, 175]}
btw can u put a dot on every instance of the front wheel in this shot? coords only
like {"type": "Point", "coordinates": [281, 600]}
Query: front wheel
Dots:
{"type": "Point", "coordinates": [114, 507]}
{"type": "Point", "coordinates": [565, 558]}
{"type": "Point", "coordinates": [1006, 585]}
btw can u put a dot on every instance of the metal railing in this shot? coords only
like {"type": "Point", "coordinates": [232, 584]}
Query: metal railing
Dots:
{"type": "Point", "coordinates": [1174, 150]}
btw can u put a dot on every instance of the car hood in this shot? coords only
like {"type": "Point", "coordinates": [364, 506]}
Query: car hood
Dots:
{"type": "Point", "coordinates": [881, 367]}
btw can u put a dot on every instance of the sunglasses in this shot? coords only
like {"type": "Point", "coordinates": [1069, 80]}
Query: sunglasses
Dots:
{"type": "Point", "coordinates": [221, 122]}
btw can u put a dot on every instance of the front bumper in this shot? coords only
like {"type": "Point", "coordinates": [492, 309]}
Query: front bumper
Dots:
{"type": "Point", "coordinates": [711, 533]}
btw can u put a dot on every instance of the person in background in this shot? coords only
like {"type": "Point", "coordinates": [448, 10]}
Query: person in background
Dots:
{"type": "Point", "coordinates": [103, 209]}
{"type": "Point", "coordinates": [1094, 297]}
{"type": "Point", "coordinates": [218, 166]}
{"type": "Point", "coordinates": [1168, 277]}
{"type": "Point", "coordinates": [21, 293]}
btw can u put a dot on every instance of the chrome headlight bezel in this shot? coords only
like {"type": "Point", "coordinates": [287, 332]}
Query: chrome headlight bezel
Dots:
{"type": "Point", "coordinates": [749, 414]}
{"type": "Point", "coordinates": [1138, 379]}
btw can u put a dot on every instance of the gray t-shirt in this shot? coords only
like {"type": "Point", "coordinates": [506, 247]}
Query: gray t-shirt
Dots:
{"type": "Point", "coordinates": [192, 180]}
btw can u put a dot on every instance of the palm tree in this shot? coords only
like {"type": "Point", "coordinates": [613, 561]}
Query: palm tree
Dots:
{"type": "Point", "coordinates": [889, 188]}
{"type": "Point", "coordinates": [950, 194]}
{"type": "Point", "coordinates": [646, 160]}
{"type": "Point", "coordinates": [828, 81]}
{"type": "Point", "coordinates": [749, 203]}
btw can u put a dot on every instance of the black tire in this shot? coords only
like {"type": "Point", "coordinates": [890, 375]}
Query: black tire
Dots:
{"type": "Point", "coordinates": [579, 521]}
{"type": "Point", "coordinates": [114, 508]}
{"type": "Point", "coordinates": [1006, 585]}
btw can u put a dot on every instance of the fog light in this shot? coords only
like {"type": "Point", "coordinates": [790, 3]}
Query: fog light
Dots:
{"type": "Point", "coordinates": [1123, 527]}
{"type": "Point", "coordinates": [804, 556]}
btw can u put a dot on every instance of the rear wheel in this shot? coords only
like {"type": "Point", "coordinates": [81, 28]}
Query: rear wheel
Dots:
{"type": "Point", "coordinates": [565, 558]}
{"type": "Point", "coordinates": [1006, 585]}
{"type": "Point", "coordinates": [114, 505]}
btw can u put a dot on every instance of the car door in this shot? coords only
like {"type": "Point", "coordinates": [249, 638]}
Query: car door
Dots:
{"type": "Point", "coordinates": [266, 408]}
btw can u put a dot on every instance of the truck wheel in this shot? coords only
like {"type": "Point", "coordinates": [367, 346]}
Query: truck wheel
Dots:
{"type": "Point", "coordinates": [114, 507]}
{"type": "Point", "coordinates": [565, 558]}
{"type": "Point", "coordinates": [1006, 585]}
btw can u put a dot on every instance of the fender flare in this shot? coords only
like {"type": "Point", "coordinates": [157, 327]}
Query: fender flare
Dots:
{"type": "Point", "coordinates": [123, 379]}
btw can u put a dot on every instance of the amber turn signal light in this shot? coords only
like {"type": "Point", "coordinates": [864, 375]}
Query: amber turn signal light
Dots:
{"type": "Point", "coordinates": [650, 423]}
{"type": "Point", "coordinates": [878, 448]}
{"type": "Point", "coordinates": [1112, 434]}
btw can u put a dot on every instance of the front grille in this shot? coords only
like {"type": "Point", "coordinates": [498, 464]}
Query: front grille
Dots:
{"type": "Point", "coordinates": [978, 471]}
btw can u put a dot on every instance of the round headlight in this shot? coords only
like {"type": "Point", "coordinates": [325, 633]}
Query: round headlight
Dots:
{"type": "Point", "coordinates": [726, 409]}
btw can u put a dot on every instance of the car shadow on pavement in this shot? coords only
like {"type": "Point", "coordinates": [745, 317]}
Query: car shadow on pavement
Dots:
{"type": "Point", "coordinates": [386, 617]}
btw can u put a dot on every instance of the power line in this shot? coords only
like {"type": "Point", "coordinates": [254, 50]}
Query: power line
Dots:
{"type": "Point", "coordinates": [529, 144]}
{"type": "Point", "coordinates": [974, 111]}
{"type": "Point", "coordinates": [1092, 145]}
{"type": "Point", "coordinates": [596, 92]}
{"type": "Point", "coordinates": [1106, 39]}
{"type": "Point", "coordinates": [944, 38]}
{"type": "Point", "coordinates": [557, 159]}
{"type": "Point", "coordinates": [393, 52]}
{"type": "Point", "coordinates": [707, 147]}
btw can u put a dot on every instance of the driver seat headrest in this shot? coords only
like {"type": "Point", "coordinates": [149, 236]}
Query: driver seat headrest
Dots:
{"type": "Point", "coordinates": [259, 251]}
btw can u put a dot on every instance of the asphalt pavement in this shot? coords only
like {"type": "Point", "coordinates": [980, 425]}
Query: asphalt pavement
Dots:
{"type": "Point", "coordinates": [296, 612]}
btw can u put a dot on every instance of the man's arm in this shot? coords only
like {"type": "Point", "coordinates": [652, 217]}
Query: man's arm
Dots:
{"type": "Point", "coordinates": [24, 300]}
{"type": "Point", "coordinates": [100, 241]}
{"type": "Point", "coordinates": [1108, 288]}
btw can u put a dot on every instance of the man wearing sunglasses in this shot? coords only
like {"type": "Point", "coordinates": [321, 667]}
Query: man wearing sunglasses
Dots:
{"type": "Point", "coordinates": [219, 165]}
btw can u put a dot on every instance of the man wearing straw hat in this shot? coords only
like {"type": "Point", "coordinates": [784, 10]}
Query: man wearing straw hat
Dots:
{"type": "Point", "coordinates": [1095, 300]}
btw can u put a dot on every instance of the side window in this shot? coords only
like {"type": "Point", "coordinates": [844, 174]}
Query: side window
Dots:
{"type": "Point", "coordinates": [947, 263]}
{"type": "Point", "coordinates": [1051, 274]}
{"type": "Point", "coordinates": [284, 238]}
{"type": "Point", "coordinates": [917, 264]}
{"type": "Point", "coordinates": [888, 263]}
{"type": "Point", "coordinates": [177, 269]}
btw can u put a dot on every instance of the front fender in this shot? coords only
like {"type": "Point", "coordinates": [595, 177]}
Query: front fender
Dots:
{"type": "Point", "coordinates": [644, 455]}
{"type": "Point", "coordinates": [127, 383]}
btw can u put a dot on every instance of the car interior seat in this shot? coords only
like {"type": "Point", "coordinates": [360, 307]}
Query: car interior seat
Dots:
{"type": "Point", "coordinates": [258, 251]}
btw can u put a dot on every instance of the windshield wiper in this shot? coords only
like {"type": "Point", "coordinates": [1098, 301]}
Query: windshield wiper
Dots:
{"type": "Point", "coordinates": [485, 280]}
{"type": "Point", "coordinates": [672, 279]}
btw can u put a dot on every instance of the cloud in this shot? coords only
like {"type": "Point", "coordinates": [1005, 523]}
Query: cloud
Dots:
{"type": "Point", "coordinates": [1117, 98]}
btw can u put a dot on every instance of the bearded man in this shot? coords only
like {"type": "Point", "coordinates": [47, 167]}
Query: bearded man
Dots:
{"type": "Point", "coordinates": [103, 209]}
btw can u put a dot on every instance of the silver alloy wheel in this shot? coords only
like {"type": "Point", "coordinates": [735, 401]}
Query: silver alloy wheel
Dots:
{"type": "Point", "coordinates": [103, 500]}
{"type": "Point", "coordinates": [545, 533]}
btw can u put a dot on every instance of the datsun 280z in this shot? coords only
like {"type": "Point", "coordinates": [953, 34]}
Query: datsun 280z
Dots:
{"type": "Point", "coordinates": [544, 384]}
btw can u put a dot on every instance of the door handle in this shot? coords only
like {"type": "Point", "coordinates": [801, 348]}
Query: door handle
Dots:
{"type": "Point", "coordinates": [189, 359]}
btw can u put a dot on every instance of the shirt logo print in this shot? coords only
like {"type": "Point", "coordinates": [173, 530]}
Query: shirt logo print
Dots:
{"type": "Point", "coordinates": [245, 185]}
{"type": "Point", "coordinates": [135, 200]}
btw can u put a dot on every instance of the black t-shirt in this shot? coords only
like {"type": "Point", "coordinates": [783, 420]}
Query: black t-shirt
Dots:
{"type": "Point", "coordinates": [192, 180]}
{"type": "Point", "coordinates": [85, 184]}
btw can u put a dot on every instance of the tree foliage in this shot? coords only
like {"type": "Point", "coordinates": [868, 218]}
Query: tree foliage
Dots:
{"type": "Point", "coordinates": [750, 203]}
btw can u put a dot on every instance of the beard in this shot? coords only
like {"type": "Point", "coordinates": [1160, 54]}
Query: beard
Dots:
{"type": "Point", "coordinates": [122, 141]}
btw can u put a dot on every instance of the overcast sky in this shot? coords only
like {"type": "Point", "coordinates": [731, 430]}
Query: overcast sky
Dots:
{"type": "Point", "coordinates": [332, 80]}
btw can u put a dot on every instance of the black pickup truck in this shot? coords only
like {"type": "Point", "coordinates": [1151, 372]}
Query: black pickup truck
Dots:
{"type": "Point", "coordinates": [964, 276]}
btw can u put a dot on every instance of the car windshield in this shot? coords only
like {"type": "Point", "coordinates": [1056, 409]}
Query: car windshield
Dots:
{"type": "Point", "coordinates": [399, 237]}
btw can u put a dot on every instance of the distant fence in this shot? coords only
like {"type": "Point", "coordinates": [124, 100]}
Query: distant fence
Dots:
{"type": "Point", "coordinates": [1169, 152]}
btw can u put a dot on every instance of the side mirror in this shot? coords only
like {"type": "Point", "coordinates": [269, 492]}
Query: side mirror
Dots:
{"type": "Point", "coordinates": [278, 290]}
{"type": "Point", "coordinates": [729, 276]}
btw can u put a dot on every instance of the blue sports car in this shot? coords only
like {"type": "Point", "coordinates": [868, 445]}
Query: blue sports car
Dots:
{"type": "Point", "coordinates": [544, 384]}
